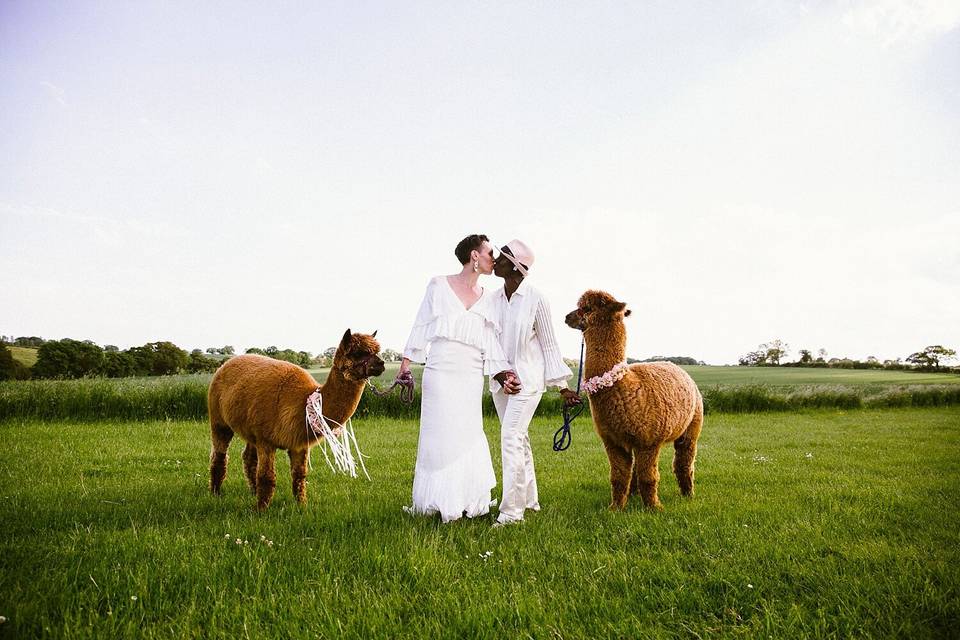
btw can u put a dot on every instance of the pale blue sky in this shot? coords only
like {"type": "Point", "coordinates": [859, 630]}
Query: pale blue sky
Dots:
{"type": "Point", "coordinates": [271, 173]}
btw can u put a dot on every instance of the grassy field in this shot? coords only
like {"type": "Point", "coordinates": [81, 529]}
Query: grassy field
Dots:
{"type": "Point", "coordinates": [26, 355]}
{"type": "Point", "coordinates": [184, 397]}
{"type": "Point", "coordinates": [773, 376]}
{"type": "Point", "coordinates": [806, 525]}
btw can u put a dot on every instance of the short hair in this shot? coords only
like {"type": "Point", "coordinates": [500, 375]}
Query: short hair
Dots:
{"type": "Point", "coordinates": [468, 244]}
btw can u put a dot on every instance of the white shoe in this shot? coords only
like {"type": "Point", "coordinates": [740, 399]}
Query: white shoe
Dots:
{"type": "Point", "coordinates": [504, 523]}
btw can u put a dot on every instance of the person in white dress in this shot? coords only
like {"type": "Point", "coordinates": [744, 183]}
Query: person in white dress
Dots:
{"type": "Point", "coordinates": [456, 333]}
{"type": "Point", "coordinates": [530, 345]}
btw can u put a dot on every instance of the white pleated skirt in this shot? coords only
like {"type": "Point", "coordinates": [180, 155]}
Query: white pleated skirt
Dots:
{"type": "Point", "coordinates": [454, 473]}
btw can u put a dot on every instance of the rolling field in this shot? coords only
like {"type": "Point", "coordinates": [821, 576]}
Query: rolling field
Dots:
{"type": "Point", "coordinates": [26, 355]}
{"type": "Point", "coordinates": [823, 524]}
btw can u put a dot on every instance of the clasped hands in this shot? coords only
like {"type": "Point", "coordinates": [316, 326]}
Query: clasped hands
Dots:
{"type": "Point", "coordinates": [509, 381]}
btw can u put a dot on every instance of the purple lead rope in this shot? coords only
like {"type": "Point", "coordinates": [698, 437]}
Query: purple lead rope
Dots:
{"type": "Point", "coordinates": [406, 383]}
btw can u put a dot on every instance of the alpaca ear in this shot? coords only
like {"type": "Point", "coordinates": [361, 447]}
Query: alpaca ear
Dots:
{"type": "Point", "coordinates": [619, 306]}
{"type": "Point", "coordinates": [374, 334]}
{"type": "Point", "coordinates": [346, 337]}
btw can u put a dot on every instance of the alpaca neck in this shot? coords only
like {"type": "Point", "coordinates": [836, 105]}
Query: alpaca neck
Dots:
{"type": "Point", "coordinates": [340, 396]}
{"type": "Point", "coordinates": [606, 347]}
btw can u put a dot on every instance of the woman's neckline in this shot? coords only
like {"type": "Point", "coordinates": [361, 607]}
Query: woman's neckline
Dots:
{"type": "Point", "coordinates": [455, 295]}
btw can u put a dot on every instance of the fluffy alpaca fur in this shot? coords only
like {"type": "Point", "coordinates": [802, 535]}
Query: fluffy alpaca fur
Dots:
{"type": "Point", "coordinates": [264, 401]}
{"type": "Point", "coordinates": [653, 404]}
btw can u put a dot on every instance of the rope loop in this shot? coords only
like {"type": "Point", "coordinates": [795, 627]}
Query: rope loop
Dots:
{"type": "Point", "coordinates": [563, 438]}
{"type": "Point", "coordinates": [406, 383]}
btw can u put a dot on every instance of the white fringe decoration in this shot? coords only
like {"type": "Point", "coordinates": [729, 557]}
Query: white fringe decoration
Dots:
{"type": "Point", "coordinates": [340, 440]}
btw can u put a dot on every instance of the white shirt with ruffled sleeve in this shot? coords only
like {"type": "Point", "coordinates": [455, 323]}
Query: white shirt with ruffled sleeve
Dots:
{"type": "Point", "coordinates": [443, 316]}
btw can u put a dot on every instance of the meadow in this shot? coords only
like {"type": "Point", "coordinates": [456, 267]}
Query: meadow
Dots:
{"type": "Point", "coordinates": [725, 390]}
{"type": "Point", "coordinates": [814, 524]}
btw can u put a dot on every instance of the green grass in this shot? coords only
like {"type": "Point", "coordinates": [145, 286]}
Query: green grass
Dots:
{"type": "Point", "coordinates": [184, 397]}
{"type": "Point", "coordinates": [792, 376]}
{"type": "Point", "coordinates": [27, 356]}
{"type": "Point", "coordinates": [812, 525]}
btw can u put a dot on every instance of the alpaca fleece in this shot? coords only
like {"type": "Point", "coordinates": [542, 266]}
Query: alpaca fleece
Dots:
{"type": "Point", "coordinates": [655, 403]}
{"type": "Point", "coordinates": [264, 402]}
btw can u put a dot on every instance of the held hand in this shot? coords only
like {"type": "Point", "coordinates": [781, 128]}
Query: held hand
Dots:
{"type": "Point", "coordinates": [509, 381]}
{"type": "Point", "coordinates": [570, 399]}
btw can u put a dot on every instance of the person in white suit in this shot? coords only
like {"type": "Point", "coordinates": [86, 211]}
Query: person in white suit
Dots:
{"type": "Point", "coordinates": [530, 345]}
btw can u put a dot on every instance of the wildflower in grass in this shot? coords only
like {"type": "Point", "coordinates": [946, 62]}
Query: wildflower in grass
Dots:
{"type": "Point", "coordinates": [809, 456]}
{"type": "Point", "coordinates": [239, 541]}
{"type": "Point", "coordinates": [134, 598]}
{"type": "Point", "coordinates": [749, 586]}
{"type": "Point", "coordinates": [3, 619]}
{"type": "Point", "coordinates": [227, 536]}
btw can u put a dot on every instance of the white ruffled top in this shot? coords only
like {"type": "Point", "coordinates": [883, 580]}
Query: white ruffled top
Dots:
{"type": "Point", "coordinates": [443, 316]}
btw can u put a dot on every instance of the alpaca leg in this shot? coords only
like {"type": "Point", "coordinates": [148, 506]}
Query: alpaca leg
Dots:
{"type": "Point", "coordinates": [250, 466]}
{"type": "Point", "coordinates": [298, 470]}
{"type": "Point", "coordinates": [685, 454]}
{"type": "Point", "coordinates": [266, 476]}
{"type": "Point", "coordinates": [647, 475]}
{"type": "Point", "coordinates": [620, 465]}
{"type": "Point", "coordinates": [220, 436]}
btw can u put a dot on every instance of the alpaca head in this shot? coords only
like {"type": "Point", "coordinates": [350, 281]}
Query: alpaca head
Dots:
{"type": "Point", "coordinates": [357, 358]}
{"type": "Point", "coordinates": [596, 308]}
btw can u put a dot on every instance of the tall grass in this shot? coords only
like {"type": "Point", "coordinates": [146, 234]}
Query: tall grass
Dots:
{"type": "Point", "coordinates": [184, 398]}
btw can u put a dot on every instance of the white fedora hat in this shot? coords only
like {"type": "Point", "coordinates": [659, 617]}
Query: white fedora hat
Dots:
{"type": "Point", "coordinates": [520, 255]}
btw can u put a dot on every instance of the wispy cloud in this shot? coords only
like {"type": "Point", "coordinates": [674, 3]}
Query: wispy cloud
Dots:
{"type": "Point", "coordinates": [903, 22]}
{"type": "Point", "coordinates": [109, 231]}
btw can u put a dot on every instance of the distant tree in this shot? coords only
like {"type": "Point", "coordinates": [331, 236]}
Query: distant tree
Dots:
{"type": "Point", "coordinates": [33, 341]}
{"type": "Point", "coordinates": [167, 359]}
{"type": "Point", "coordinates": [753, 359]}
{"type": "Point", "coordinates": [805, 356]}
{"type": "Point", "coordinates": [68, 359]}
{"type": "Point", "coordinates": [111, 348]}
{"type": "Point", "coordinates": [931, 357]}
{"type": "Point", "coordinates": [255, 350]}
{"type": "Point", "coordinates": [775, 350]}
{"type": "Point", "coordinates": [389, 355]}
{"type": "Point", "coordinates": [674, 359]}
{"type": "Point", "coordinates": [200, 363]}
{"type": "Point", "coordinates": [119, 364]}
{"type": "Point", "coordinates": [821, 355]}
{"type": "Point", "coordinates": [10, 368]}
{"type": "Point", "coordinates": [225, 350]}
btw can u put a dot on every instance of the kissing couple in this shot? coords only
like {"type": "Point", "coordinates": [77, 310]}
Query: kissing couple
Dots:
{"type": "Point", "coordinates": [464, 332]}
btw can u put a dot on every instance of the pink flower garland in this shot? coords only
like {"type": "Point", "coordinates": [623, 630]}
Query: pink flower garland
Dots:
{"type": "Point", "coordinates": [596, 383]}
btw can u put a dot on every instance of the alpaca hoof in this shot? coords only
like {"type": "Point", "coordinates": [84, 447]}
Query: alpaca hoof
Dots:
{"type": "Point", "coordinates": [656, 508]}
{"type": "Point", "coordinates": [616, 507]}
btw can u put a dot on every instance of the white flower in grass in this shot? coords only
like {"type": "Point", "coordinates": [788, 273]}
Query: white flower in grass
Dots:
{"type": "Point", "coordinates": [749, 586]}
{"type": "Point", "coordinates": [809, 456]}
{"type": "Point", "coordinates": [3, 619]}
{"type": "Point", "coordinates": [239, 541]}
{"type": "Point", "coordinates": [134, 598]}
{"type": "Point", "coordinates": [227, 536]}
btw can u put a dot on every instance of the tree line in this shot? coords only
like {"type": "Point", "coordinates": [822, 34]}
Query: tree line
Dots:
{"type": "Point", "coordinates": [68, 358]}
{"type": "Point", "coordinates": [774, 353]}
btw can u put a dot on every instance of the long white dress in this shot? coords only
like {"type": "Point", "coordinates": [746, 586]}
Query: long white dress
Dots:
{"type": "Point", "coordinates": [454, 473]}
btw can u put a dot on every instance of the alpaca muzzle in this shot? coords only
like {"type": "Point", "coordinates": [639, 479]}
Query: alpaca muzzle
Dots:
{"type": "Point", "coordinates": [574, 320]}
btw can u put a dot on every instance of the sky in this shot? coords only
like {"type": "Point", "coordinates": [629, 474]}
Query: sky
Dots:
{"type": "Point", "coordinates": [259, 174]}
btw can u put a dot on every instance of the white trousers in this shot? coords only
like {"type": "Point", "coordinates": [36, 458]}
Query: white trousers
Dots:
{"type": "Point", "coordinates": [519, 479]}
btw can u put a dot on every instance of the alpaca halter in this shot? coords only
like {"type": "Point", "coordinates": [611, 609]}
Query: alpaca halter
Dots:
{"type": "Point", "coordinates": [596, 383]}
{"type": "Point", "coordinates": [338, 439]}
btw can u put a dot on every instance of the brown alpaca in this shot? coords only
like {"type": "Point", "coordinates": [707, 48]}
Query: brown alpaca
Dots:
{"type": "Point", "coordinates": [652, 404]}
{"type": "Point", "coordinates": [264, 401]}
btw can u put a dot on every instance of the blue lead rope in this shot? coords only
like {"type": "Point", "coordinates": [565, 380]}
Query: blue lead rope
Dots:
{"type": "Point", "coordinates": [562, 438]}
